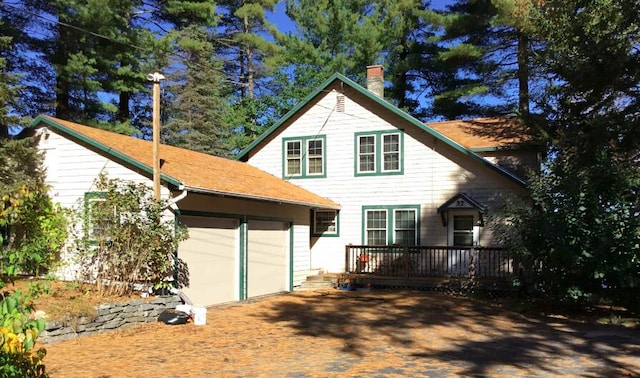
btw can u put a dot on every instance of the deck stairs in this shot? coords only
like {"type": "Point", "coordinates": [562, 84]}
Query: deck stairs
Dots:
{"type": "Point", "coordinates": [319, 280]}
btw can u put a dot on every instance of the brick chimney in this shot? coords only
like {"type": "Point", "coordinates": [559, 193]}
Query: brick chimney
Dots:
{"type": "Point", "coordinates": [375, 80]}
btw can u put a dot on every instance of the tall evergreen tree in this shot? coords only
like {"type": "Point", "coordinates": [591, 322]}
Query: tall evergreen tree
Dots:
{"type": "Point", "coordinates": [346, 36]}
{"type": "Point", "coordinates": [486, 60]}
{"type": "Point", "coordinates": [8, 90]}
{"type": "Point", "coordinates": [242, 44]}
{"type": "Point", "coordinates": [584, 228]}
{"type": "Point", "coordinates": [195, 112]}
{"type": "Point", "coordinates": [409, 50]}
{"type": "Point", "coordinates": [335, 35]}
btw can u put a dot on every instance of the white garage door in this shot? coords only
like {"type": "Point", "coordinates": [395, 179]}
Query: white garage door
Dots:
{"type": "Point", "coordinates": [211, 254]}
{"type": "Point", "coordinates": [267, 257]}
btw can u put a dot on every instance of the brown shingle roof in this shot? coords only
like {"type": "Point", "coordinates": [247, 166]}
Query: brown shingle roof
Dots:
{"type": "Point", "coordinates": [482, 133]}
{"type": "Point", "coordinates": [198, 171]}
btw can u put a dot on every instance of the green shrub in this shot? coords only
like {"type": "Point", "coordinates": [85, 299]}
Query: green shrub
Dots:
{"type": "Point", "coordinates": [18, 335]}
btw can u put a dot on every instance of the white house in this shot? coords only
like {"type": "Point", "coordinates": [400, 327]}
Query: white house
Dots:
{"type": "Point", "coordinates": [344, 167]}
{"type": "Point", "coordinates": [249, 230]}
{"type": "Point", "coordinates": [397, 180]}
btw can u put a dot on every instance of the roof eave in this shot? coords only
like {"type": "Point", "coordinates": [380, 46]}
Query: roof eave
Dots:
{"type": "Point", "coordinates": [289, 114]}
{"type": "Point", "coordinates": [101, 147]}
{"type": "Point", "coordinates": [220, 193]}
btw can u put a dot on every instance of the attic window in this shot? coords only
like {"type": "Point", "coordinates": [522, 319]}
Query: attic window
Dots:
{"type": "Point", "coordinates": [340, 103]}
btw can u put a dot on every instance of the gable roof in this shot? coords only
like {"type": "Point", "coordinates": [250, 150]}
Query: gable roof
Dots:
{"type": "Point", "coordinates": [389, 107]}
{"type": "Point", "coordinates": [484, 134]}
{"type": "Point", "coordinates": [190, 170]}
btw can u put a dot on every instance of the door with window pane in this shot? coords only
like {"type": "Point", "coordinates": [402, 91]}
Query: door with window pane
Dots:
{"type": "Point", "coordinates": [463, 230]}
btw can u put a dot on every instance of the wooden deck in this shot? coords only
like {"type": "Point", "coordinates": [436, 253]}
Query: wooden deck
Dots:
{"type": "Point", "coordinates": [431, 267]}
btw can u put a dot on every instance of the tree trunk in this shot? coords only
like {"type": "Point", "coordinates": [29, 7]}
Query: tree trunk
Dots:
{"type": "Point", "coordinates": [248, 60]}
{"type": "Point", "coordinates": [124, 114]}
{"type": "Point", "coordinates": [523, 76]}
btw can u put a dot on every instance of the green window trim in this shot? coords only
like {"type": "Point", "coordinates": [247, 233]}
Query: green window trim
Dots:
{"type": "Point", "coordinates": [90, 197]}
{"type": "Point", "coordinates": [392, 222]}
{"type": "Point", "coordinates": [314, 223]}
{"type": "Point", "coordinates": [380, 152]}
{"type": "Point", "coordinates": [306, 155]}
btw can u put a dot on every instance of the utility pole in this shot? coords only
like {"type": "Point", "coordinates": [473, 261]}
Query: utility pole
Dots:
{"type": "Point", "coordinates": [155, 78]}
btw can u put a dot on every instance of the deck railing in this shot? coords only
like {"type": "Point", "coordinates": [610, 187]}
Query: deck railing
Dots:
{"type": "Point", "coordinates": [430, 261]}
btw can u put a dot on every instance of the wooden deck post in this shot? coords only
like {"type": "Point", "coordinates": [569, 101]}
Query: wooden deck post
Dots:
{"type": "Point", "coordinates": [346, 257]}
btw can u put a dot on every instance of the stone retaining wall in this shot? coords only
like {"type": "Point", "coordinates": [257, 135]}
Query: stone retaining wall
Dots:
{"type": "Point", "coordinates": [110, 316]}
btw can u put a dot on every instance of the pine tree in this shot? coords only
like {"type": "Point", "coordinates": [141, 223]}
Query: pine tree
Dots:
{"type": "Point", "coordinates": [583, 229]}
{"type": "Point", "coordinates": [8, 91]}
{"type": "Point", "coordinates": [195, 107]}
{"type": "Point", "coordinates": [242, 44]}
{"type": "Point", "coordinates": [408, 33]}
{"type": "Point", "coordinates": [486, 55]}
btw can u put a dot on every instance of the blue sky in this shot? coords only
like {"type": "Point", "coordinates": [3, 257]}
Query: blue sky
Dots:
{"type": "Point", "coordinates": [285, 25]}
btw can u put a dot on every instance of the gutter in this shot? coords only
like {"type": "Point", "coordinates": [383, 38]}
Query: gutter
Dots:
{"type": "Point", "coordinates": [262, 198]}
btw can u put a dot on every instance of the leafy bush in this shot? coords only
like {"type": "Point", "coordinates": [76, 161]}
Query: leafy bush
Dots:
{"type": "Point", "coordinates": [18, 334]}
{"type": "Point", "coordinates": [127, 237]}
{"type": "Point", "coordinates": [37, 231]}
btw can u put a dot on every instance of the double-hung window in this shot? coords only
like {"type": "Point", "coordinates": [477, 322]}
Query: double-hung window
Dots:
{"type": "Point", "coordinates": [325, 223]}
{"type": "Point", "coordinates": [304, 157]}
{"type": "Point", "coordinates": [386, 225]}
{"type": "Point", "coordinates": [378, 153]}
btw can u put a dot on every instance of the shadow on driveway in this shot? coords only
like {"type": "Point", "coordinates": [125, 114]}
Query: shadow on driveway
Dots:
{"type": "Point", "coordinates": [439, 334]}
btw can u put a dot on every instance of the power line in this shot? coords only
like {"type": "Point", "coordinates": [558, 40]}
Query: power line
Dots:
{"type": "Point", "coordinates": [110, 39]}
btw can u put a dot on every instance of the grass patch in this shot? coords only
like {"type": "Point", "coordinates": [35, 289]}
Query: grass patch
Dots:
{"type": "Point", "coordinates": [68, 301]}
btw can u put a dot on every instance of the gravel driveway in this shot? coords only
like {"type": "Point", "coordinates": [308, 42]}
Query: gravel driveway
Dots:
{"type": "Point", "coordinates": [331, 333]}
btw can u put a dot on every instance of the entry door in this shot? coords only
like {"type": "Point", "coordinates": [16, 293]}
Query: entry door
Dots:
{"type": "Point", "coordinates": [267, 257]}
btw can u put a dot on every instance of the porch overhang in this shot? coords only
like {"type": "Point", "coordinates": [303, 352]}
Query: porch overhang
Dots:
{"type": "Point", "coordinates": [460, 201]}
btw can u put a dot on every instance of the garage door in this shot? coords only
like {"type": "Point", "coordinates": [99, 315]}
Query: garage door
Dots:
{"type": "Point", "coordinates": [211, 254]}
{"type": "Point", "coordinates": [267, 257]}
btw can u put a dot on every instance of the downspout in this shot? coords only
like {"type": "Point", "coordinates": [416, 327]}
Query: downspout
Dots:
{"type": "Point", "coordinates": [171, 202]}
{"type": "Point", "coordinates": [177, 198]}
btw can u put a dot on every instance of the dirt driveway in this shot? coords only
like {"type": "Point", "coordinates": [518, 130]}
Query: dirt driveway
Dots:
{"type": "Point", "coordinates": [330, 333]}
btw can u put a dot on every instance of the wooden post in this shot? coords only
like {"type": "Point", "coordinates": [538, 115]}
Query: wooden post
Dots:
{"type": "Point", "coordinates": [156, 77]}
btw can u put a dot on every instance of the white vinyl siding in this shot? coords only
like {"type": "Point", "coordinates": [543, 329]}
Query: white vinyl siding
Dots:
{"type": "Point", "coordinates": [432, 173]}
{"type": "Point", "coordinates": [76, 167]}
